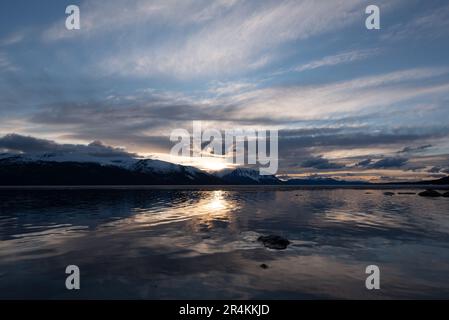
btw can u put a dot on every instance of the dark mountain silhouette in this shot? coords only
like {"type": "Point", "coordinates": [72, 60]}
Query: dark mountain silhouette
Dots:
{"type": "Point", "coordinates": [77, 173]}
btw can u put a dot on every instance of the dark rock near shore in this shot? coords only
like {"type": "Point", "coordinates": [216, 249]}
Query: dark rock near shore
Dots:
{"type": "Point", "coordinates": [389, 193]}
{"type": "Point", "coordinates": [264, 266]}
{"type": "Point", "coordinates": [430, 193]}
{"type": "Point", "coordinates": [274, 242]}
{"type": "Point", "coordinates": [446, 194]}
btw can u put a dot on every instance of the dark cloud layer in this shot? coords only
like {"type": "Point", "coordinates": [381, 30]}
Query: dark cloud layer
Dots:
{"type": "Point", "coordinates": [384, 163]}
{"type": "Point", "coordinates": [364, 163]}
{"type": "Point", "coordinates": [415, 149]}
{"type": "Point", "coordinates": [320, 163]}
{"type": "Point", "coordinates": [29, 145]}
{"type": "Point", "coordinates": [357, 137]}
{"type": "Point", "coordinates": [388, 163]}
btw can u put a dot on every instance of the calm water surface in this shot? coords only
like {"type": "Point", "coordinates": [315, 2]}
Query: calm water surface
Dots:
{"type": "Point", "coordinates": [175, 244]}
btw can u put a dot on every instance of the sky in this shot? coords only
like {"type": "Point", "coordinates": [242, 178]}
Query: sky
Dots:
{"type": "Point", "coordinates": [349, 103]}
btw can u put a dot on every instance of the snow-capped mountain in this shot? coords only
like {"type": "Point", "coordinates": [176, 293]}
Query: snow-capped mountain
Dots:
{"type": "Point", "coordinates": [85, 169]}
{"type": "Point", "coordinates": [133, 164]}
{"type": "Point", "coordinates": [150, 166]}
{"type": "Point", "coordinates": [246, 176]}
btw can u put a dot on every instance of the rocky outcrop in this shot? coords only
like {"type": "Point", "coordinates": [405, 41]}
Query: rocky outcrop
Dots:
{"type": "Point", "coordinates": [274, 242]}
{"type": "Point", "coordinates": [430, 193]}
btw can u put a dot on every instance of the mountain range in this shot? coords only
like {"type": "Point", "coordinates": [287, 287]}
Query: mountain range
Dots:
{"type": "Point", "coordinates": [83, 169]}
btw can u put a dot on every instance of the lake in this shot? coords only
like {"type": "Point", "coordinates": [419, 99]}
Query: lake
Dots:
{"type": "Point", "coordinates": [202, 244]}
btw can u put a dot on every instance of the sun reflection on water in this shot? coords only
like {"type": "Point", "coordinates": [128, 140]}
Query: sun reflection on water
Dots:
{"type": "Point", "coordinates": [206, 207]}
{"type": "Point", "coordinates": [216, 202]}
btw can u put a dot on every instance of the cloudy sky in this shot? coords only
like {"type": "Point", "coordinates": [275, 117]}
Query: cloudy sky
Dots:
{"type": "Point", "coordinates": [349, 102]}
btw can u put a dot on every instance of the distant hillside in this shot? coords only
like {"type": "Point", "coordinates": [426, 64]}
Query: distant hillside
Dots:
{"type": "Point", "coordinates": [442, 181]}
{"type": "Point", "coordinates": [323, 182]}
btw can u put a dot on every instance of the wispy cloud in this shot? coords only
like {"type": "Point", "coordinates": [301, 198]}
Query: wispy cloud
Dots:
{"type": "Point", "coordinates": [220, 88]}
{"type": "Point", "coordinates": [341, 58]}
{"type": "Point", "coordinates": [105, 17]}
{"type": "Point", "coordinates": [332, 100]}
{"type": "Point", "coordinates": [430, 24]}
{"type": "Point", "coordinates": [5, 63]}
{"type": "Point", "coordinates": [245, 37]}
{"type": "Point", "coordinates": [14, 38]}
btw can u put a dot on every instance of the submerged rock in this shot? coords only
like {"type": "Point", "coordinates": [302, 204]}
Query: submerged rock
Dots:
{"type": "Point", "coordinates": [430, 193]}
{"type": "Point", "coordinates": [274, 242]}
{"type": "Point", "coordinates": [264, 266]}
{"type": "Point", "coordinates": [389, 193]}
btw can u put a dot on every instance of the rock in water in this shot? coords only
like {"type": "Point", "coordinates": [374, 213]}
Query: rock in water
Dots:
{"type": "Point", "coordinates": [430, 193]}
{"type": "Point", "coordinates": [274, 242]}
{"type": "Point", "coordinates": [446, 194]}
{"type": "Point", "coordinates": [264, 266]}
{"type": "Point", "coordinates": [389, 193]}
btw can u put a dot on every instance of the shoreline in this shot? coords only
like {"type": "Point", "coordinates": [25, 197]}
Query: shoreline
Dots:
{"type": "Point", "coordinates": [228, 187]}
